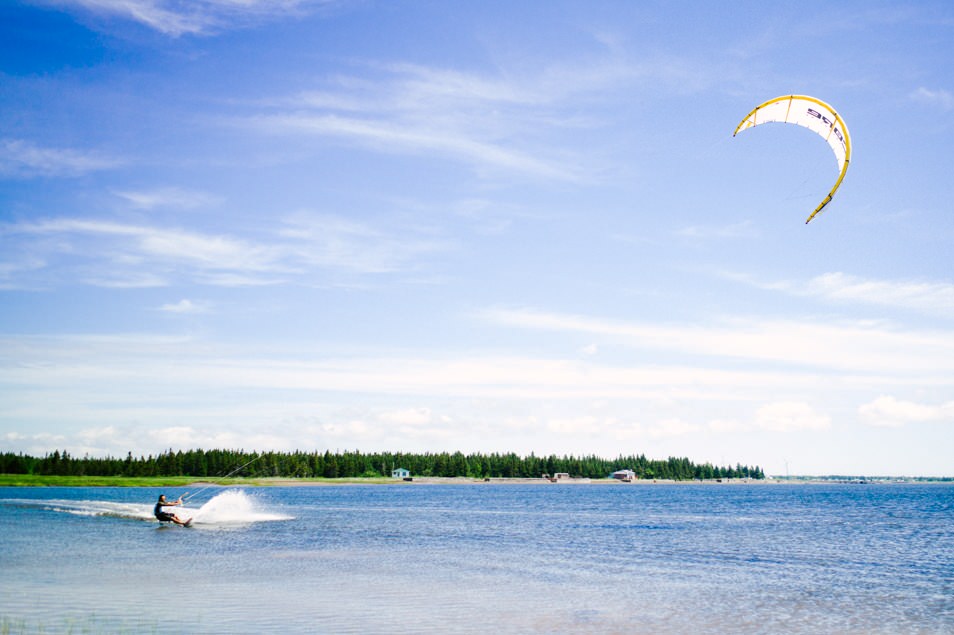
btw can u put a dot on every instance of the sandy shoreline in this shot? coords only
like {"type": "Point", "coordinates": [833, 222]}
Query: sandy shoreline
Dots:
{"type": "Point", "coordinates": [607, 482]}
{"type": "Point", "coordinates": [15, 480]}
{"type": "Point", "coordinates": [438, 480]}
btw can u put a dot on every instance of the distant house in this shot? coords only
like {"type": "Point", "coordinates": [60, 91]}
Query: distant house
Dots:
{"type": "Point", "coordinates": [564, 477]}
{"type": "Point", "coordinates": [400, 473]}
{"type": "Point", "coordinates": [624, 475]}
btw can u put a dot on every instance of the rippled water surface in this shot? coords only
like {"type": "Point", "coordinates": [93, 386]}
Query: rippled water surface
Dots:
{"type": "Point", "coordinates": [494, 558]}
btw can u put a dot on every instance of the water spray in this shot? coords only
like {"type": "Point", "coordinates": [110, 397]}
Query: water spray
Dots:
{"type": "Point", "coordinates": [221, 478]}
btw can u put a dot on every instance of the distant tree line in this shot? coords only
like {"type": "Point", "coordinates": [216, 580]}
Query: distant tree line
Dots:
{"type": "Point", "coordinates": [239, 463]}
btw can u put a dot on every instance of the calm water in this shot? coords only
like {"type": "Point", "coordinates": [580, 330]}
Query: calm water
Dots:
{"type": "Point", "coordinates": [486, 558]}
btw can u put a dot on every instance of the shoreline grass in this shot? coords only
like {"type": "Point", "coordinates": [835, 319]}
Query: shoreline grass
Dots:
{"type": "Point", "coordinates": [48, 480]}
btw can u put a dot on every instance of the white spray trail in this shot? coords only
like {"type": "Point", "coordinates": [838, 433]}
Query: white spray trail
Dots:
{"type": "Point", "coordinates": [232, 507]}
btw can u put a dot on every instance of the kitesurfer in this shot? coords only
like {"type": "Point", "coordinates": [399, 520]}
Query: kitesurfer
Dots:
{"type": "Point", "coordinates": [169, 517]}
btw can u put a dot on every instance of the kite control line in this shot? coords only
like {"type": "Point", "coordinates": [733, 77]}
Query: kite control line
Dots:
{"type": "Point", "coordinates": [813, 114]}
{"type": "Point", "coordinates": [222, 478]}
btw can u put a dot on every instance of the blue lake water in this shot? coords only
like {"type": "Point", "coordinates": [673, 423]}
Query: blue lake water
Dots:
{"type": "Point", "coordinates": [494, 558]}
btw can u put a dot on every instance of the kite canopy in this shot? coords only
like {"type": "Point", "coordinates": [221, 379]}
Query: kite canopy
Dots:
{"type": "Point", "coordinates": [813, 114]}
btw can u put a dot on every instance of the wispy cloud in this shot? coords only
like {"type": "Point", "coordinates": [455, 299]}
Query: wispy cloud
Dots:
{"type": "Point", "coordinates": [15, 268]}
{"type": "Point", "coordinates": [790, 416]}
{"type": "Point", "coordinates": [861, 347]}
{"type": "Point", "coordinates": [196, 17]}
{"type": "Point", "coordinates": [938, 98]}
{"type": "Point", "coordinates": [495, 122]}
{"type": "Point", "coordinates": [928, 297]}
{"type": "Point", "coordinates": [451, 398]}
{"type": "Point", "coordinates": [120, 254]}
{"type": "Point", "coordinates": [742, 229]}
{"type": "Point", "coordinates": [888, 411]}
{"type": "Point", "coordinates": [185, 361]}
{"type": "Point", "coordinates": [777, 416]}
{"type": "Point", "coordinates": [323, 240]}
{"type": "Point", "coordinates": [931, 298]}
{"type": "Point", "coordinates": [138, 244]}
{"type": "Point", "coordinates": [185, 306]}
{"type": "Point", "coordinates": [168, 198]}
{"type": "Point", "coordinates": [24, 159]}
{"type": "Point", "coordinates": [395, 137]}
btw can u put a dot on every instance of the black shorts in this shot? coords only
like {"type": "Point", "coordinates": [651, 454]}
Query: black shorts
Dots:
{"type": "Point", "coordinates": [165, 517]}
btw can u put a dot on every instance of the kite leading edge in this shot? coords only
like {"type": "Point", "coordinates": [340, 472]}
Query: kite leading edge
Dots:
{"type": "Point", "coordinates": [813, 114]}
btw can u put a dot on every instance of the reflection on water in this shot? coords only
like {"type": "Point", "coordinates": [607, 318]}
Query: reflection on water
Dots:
{"type": "Point", "coordinates": [597, 558]}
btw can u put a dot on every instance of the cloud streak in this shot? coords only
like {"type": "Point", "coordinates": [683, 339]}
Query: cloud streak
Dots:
{"type": "Point", "coordinates": [935, 298]}
{"type": "Point", "coordinates": [939, 98]}
{"type": "Point", "coordinates": [185, 306]}
{"type": "Point", "coordinates": [195, 17]}
{"type": "Point", "coordinates": [499, 124]}
{"type": "Point", "coordinates": [295, 397]}
{"type": "Point", "coordinates": [929, 298]}
{"type": "Point", "coordinates": [890, 412]}
{"type": "Point", "coordinates": [25, 159]}
{"type": "Point", "coordinates": [120, 254]}
{"type": "Point", "coordinates": [859, 347]}
{"type": "Point", "coordinates": [168, 198]}
{"type": "Point", "coordinates": [397, 137]}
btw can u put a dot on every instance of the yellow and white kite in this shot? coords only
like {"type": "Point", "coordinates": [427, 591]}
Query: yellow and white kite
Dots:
{"type": "Point", "coordinates": [813, 114]}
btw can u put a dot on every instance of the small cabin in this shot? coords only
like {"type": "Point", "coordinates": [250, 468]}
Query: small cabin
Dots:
{"type": "Point", "coordinates": [400, 473]}
{"type": "Point", "coordinates": [627, 476]}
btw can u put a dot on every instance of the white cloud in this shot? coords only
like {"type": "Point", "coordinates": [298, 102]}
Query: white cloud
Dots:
{"type": "Point", "coordinates": [332, 241]}
{"type": "Point", "coordinates": [417, 138]}
{"type": "Point", "coordinates": [887, 411]}
{"type": "Point", "coordinates": [168, 198]}
{"type": "Point", "coordinates": [940, 98]}
{"type": "Point", "coordinates": [185, 437]}
{"type": "Point", "coordinates": [928, 297]}
{"type": "Point", "coordinates": [782, 416]}
{"type": "Point", "coordinates": [583, 428]}
{"type": "Point", "coordinates": [119, 254]}
{"type": "Point", "coordinates": [727, 425]}
{"type": "Point", "coordinates": [672, 428]}
{"type": "Point", "coordinates": [742, 229]}
{"type": "Point", "coordinates": [408, 417]}
{"type": "Point", "coordinates": [496, 123]}
{"type": "Point", "coordinates": [185, 306]}
{"type": "Point", "coordinates": [931, 298]}
{"type": "Point", "coordinates": [432, 402]}
{"type": "Point", "coordinates": [23, 159]}
{"type": "Point", "coordinates": [790, 416]}
{"type": "Point", "coordinates": [861, 347]}
{"type": "Point", "coordinates": [14, 269]}
{"type": "Point", "coordinates": [575, 426]}
{"type": "Point", "coordinates": [120, 278]}
{"type": "Point", "coordinates": [152, 366]}
{"type": "Point", "coordinates": [148, 255]}
{"type": "Point", "coordinates": [195, 17]}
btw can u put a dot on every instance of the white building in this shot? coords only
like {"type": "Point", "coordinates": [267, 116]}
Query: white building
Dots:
{"type": "Point", "coordinates": [400, 473]}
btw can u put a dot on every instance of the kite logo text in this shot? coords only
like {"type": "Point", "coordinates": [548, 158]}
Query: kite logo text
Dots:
{"type": "Point", "coordinates": [831, 124]}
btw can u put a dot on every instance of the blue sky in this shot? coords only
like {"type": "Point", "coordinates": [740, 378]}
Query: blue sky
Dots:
{"type": "Point", "coordinates": [494, 226]}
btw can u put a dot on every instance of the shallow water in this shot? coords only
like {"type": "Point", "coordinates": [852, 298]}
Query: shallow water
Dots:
{"type": "Point", "coordinates": [600, 558]}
